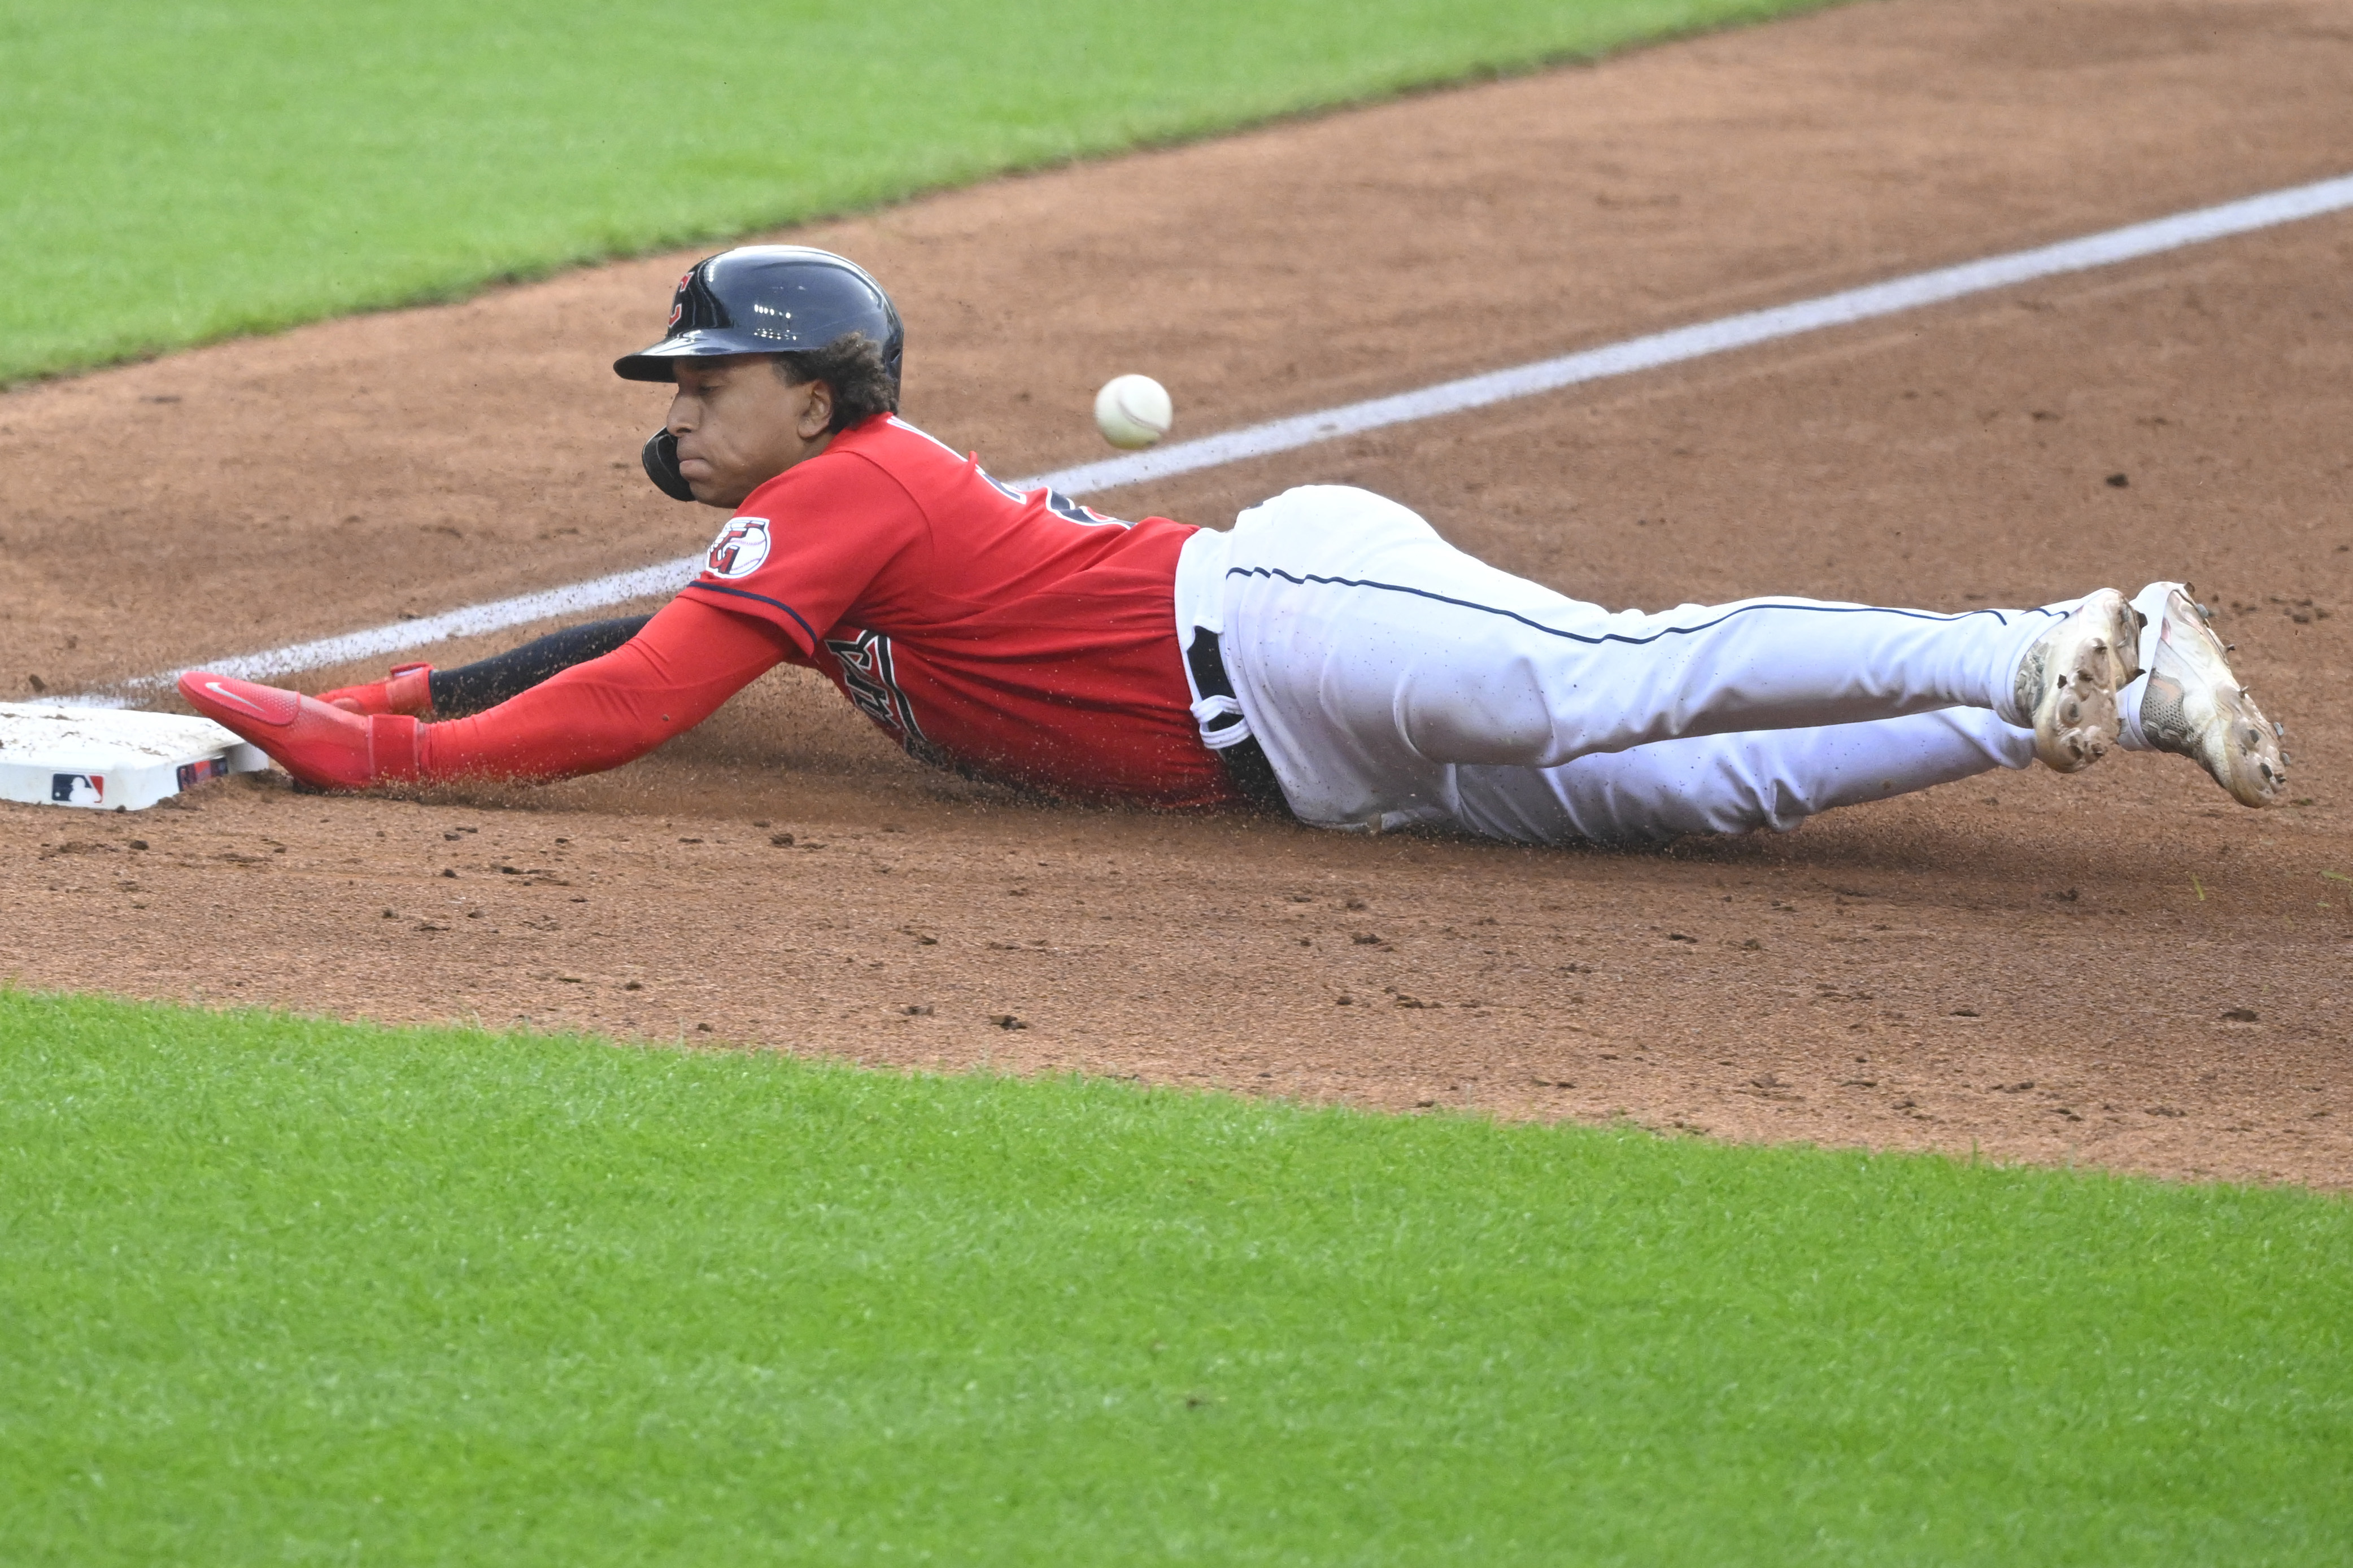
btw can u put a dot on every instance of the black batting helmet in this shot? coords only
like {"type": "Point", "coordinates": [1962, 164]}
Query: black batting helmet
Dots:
{"type": "Point", "coordinates": [766, 300]}
{"type": "Point", "coordinates": [760, 300]}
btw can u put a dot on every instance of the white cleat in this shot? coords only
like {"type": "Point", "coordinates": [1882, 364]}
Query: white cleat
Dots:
{"type": "Point", "coordinates": [2194, 705]}
{"type": "Point", "coordinates": [2068, 680]}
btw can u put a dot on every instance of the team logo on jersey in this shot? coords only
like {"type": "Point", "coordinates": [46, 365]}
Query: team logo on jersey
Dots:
{"type": "Point", "coordinates": [740, 548]}
{"type": "Point", "coordinates": [874, 685]}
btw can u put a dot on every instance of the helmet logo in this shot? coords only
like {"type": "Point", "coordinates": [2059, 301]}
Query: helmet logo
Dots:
{"type": "Point", "coordinates": [740, 548]}
{"type": "Point", "coordinates": [678, 297]}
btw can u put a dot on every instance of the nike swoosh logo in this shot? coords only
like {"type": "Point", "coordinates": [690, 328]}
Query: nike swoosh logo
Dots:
{"type": "Point", "coordinates": [225, 695]}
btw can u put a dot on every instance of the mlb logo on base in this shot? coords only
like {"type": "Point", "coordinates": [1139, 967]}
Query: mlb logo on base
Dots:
{"type": "Point", "coordinates": [111, 758]}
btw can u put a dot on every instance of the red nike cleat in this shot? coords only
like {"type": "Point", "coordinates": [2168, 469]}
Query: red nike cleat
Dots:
{"type": "Point", "coordinates": [319, 743]}
{"type": "Point", "coordinates": [407, 689]}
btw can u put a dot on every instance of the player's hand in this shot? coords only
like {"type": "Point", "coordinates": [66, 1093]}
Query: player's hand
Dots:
{"type": "Point", "coordinates": [407, 689]}
{"type": "Point", "coordinates": [321, 744]}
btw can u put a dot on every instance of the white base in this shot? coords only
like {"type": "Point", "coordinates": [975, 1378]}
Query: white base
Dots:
{"type": "Point", "coordinates": [108, 759]}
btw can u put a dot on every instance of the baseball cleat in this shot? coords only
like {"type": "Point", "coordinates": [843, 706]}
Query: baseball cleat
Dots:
{"type": "Point", "coordinates": [320, 744]}
{"type": "Point", "coordinates": [2194, 705]}
{"type": "Point", "coordinates": [2068, 680]}
{"type": "Point", "coordinates": [407, 689]}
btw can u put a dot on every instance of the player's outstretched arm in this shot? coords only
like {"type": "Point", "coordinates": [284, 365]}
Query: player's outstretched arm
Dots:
{"type": "Point", "coordinates": [688, 659]}
{"type": "Point", "coordinates": [425, 692]}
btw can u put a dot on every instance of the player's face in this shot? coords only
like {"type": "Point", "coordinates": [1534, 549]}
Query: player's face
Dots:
{"type": "Point", "coordinates": [739, 425]}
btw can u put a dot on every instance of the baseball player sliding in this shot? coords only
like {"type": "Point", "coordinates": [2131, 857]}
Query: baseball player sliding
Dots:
{"type": "Point", "coordinates": [1329, 656]}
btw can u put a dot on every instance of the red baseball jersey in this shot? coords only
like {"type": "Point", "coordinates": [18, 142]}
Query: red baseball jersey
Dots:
{"type": "Point", "coordinates": [1020, 636]}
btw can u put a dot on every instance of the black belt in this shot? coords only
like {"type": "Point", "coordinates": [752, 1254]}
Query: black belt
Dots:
{"type": "Point", "coordinates": [1245, 760]}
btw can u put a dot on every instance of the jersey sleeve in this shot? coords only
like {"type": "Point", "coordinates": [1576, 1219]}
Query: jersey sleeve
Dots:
{"type": "Point", "coordinates": [674, 674]}
{"type": "Point", "coordinates": [803, 548]}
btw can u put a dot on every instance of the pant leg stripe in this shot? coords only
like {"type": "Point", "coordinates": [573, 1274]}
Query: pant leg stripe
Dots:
{"type": "Point", "coordinates": [2001, 616]}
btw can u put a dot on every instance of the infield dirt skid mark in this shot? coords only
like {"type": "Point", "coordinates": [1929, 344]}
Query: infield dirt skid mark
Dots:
{"type": "Point", "coordinates": [1912, 964]}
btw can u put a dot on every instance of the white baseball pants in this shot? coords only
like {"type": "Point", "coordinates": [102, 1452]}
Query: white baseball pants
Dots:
{"type": "Point", "coordinates": [1394, 680]}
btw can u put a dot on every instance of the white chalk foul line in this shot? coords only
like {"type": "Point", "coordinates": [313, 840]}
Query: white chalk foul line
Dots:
{"type": "Point", "coordinates": [1747, 330]}
{"type": "Point", "coordinates": [400, 636]}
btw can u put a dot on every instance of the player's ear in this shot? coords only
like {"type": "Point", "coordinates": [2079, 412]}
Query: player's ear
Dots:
{"type": "Point", "coordinates": [816, 414]}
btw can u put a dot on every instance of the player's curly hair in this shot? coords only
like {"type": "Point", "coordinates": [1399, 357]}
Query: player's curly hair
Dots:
{"type": "Point", "coordinates": [853, 366]}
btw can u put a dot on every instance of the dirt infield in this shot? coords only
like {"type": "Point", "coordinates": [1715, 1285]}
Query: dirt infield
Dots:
{"type": "Point", "coordinates": [2122, 969]}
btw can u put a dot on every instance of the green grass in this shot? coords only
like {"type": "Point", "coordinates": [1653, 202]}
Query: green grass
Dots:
{"type": "Point", "coordinates": [173, 171]}
{"type": "Point", "coordinates": [274, 1289]}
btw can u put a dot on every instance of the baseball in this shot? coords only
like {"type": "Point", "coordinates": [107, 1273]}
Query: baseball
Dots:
{"type": "Point", "coordinates": [1132, 411]}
